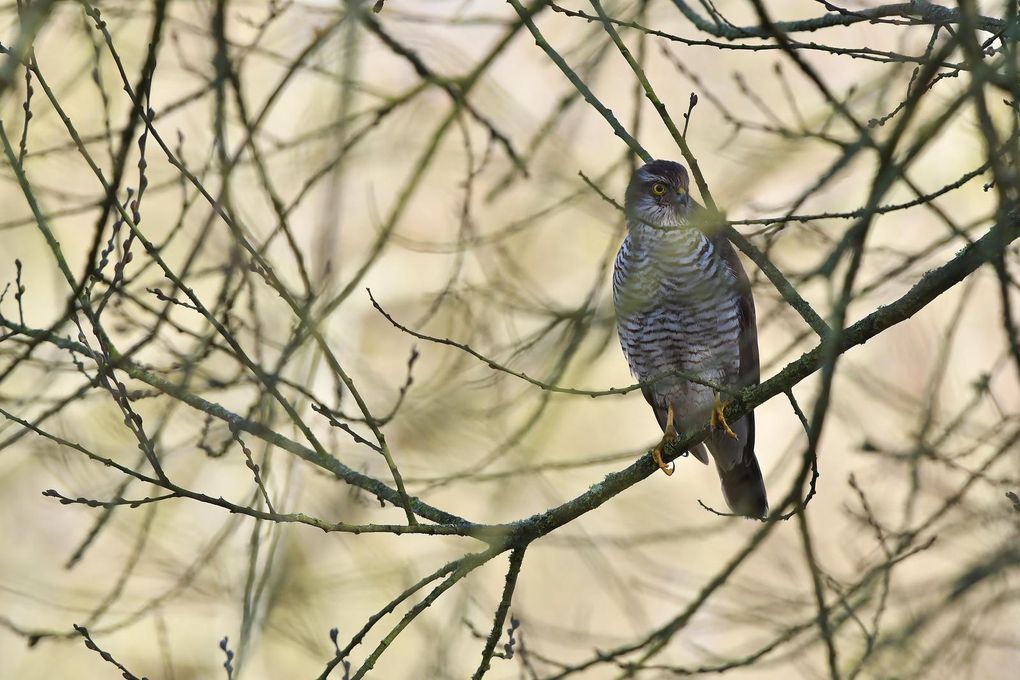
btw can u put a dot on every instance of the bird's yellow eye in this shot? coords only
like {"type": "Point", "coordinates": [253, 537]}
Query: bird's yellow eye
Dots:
{"type": "Point", "coordinates": [658, 189]}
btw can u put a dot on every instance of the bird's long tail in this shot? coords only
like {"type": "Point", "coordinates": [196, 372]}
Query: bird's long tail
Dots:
{"type": "Point", "coordinates": [744, 488]}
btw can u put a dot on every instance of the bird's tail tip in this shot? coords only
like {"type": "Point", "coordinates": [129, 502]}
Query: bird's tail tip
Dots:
{"type": "Point", "coordinates": [744, 489]}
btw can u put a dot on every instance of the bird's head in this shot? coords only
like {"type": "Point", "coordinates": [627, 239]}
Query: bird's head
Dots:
{"type": "Point", "coordinates": [658, 195]}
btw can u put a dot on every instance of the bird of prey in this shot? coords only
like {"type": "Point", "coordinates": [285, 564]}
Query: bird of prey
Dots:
{"type": "Point", "coordinates": [686, 322]}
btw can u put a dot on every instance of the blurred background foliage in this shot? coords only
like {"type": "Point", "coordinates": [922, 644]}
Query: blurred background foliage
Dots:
{"type": "Point", "coordinates": [432, 153]}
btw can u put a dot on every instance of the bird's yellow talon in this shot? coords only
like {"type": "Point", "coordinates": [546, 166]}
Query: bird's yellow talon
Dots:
{"type": "Point", "coordinates": [668, 436]}
{"type": "Point", "coordinates": [657, 457]}
{"type": "Point", "coordinates": [719, 418]}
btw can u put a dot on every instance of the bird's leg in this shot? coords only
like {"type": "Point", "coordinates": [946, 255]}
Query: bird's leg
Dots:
{"type": "Point", "coordinates": [719, 418]}
{"type": "Point", "coordinates": [667, 436]}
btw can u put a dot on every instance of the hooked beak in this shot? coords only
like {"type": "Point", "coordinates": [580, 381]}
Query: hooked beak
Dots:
{"type": "Point", "coordinates": [681, 199]}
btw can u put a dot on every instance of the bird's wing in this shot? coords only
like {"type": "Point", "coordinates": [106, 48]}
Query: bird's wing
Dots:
{"type": "Point", "coordinates": [743, 484]}
{"type": "Point", "coordinates": [742, 481]}
{"type": "Point", "coordinates": [750, 371]}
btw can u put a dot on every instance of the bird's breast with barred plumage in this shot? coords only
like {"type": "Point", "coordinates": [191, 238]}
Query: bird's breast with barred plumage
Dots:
{"type": "Point", "coordinates": [676, 310]}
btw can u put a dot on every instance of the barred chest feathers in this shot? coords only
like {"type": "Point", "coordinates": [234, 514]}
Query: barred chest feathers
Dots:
{"type": "Point", "coordinates": [676, 304]}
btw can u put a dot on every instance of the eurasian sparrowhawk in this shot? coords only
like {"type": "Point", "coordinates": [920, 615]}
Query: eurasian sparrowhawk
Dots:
{"type": "Point", "coordinates": [686, 321]}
